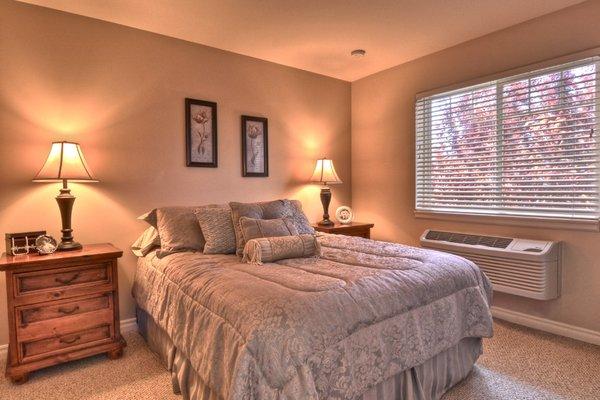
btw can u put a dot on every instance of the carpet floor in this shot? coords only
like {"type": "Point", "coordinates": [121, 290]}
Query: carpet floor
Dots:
{"type": "Point", "coordinates": [517, 364]}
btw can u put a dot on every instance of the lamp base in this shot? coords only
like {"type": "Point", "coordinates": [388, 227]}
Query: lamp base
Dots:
{"type": "Point", "coordinates": [65, 202]}
{"type": "Point", "coordinates": [68, 246]}
{"type": "Point", "coordinates": [325, 199]}
{"type": "Point", "coordinates": [325, 222]}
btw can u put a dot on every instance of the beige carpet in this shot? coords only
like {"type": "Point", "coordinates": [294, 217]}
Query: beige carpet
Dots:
{"type": "Point", "coordinates": [518, 364]}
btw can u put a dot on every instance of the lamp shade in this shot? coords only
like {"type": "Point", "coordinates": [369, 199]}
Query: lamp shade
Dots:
{"type": "Point", "coordinates": [65, 162]}
{"type": "Point", "coordinates": [325, 172]}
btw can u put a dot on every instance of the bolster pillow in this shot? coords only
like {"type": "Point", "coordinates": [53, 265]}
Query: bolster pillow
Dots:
{"type": "Point", "coordinates": [269, 249]}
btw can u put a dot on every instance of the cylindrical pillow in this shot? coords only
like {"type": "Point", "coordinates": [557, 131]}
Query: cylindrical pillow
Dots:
{"type": "Point", "coordinates": [269, 249]}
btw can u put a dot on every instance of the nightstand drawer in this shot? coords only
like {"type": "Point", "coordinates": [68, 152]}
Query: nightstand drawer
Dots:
{"type": "Point", "coordinates": [72, 277]}
{"type": "Point", "coordinates": [60, 309]}
{"type": "Point", "coordinates": [64, 343]}
{"type": "Point", "coordinates": [64, 325]}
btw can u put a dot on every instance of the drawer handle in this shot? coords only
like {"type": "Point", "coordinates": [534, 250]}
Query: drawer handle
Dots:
{"type": "Point", "coordinates": [69, 341]}
{"type": "Point", "coordinates": [66, 281]}
{"type": "Point", "coordinates": [68, 310]}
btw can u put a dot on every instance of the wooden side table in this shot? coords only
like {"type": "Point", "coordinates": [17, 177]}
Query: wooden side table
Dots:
{"type": "Point", "coordinates": [61, 307]}
{"type": "Point", "coordinates": [352, 229]}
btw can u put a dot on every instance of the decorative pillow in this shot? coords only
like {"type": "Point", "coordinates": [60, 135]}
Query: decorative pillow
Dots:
{"type": "Point", "coordinates": [256, 228]}
{"type": "Point", "coordinates": [263, 210]}
{"type": "Point", "coordinates": [179, 230]}
{"type": "Point", "coordinates": [300, 219]}
{"type": "Point", "coordinates": [269, 249]}
{"type": "Point", "coordinates": [149, 217]}
{"type": "Point", "coordinates": [217, 229]}
{"type": "Point", "coordinates": [147, 242]}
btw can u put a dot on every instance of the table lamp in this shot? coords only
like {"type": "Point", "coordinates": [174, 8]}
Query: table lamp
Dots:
{"type": "Point", "coordinates": [326, 175]}
{"type": "Point", "coordinates": [65, 163]}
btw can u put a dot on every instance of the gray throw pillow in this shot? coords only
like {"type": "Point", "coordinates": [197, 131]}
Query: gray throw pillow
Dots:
{"type": "Point", "coordinates": [300, 220]}
{"type": "Point", "coordinates": [263, 210]}
{"type": "Point", "coordinates": [179, 230]}
{"type": "Point", "coordinates": [217, 229]}
{"type": "Point", "coordinates": [269, 249]}
{"type": "Point", "coordinates": [268, 210]}
{"type": "Point", "coordinates": [253, 228]}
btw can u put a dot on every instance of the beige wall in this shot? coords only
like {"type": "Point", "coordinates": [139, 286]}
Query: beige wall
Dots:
{"type": "Point", "coordinates": [120, 93]}
{"type": "Point", "coordinates": [383, 149]}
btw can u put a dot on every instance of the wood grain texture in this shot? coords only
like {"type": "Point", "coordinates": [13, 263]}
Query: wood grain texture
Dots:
{"type": "Point", "coordinates": [61, 307]}
{"type": "Point", "coordinates": [359, 229]}
{"type": "Point", "coordinates": [55, 278]}
{"type": "Point", "coordinates": [31, 314]}
{"type": "Point", "coordinates": [100, 251]}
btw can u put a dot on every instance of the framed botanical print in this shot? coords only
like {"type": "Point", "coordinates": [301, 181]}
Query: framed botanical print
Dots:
{"type": "Point", "coordinates": [201, 133]}
{"type": "Point", "coordinates": [255, 146]}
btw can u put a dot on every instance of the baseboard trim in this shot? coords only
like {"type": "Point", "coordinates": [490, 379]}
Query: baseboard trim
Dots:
{"type": "Point", "coordinates": [127, 325]}
{"type": "Point", "coordinates": [547, 325]}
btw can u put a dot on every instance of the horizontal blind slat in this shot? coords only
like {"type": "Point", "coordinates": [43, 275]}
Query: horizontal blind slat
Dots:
{"type": "Point", "coordinates": [581, 139]}
{"type": "Point", "coordinates": [592, 162]}
{"type": "Point", "coordinates": [475, 111]}
{"type": "Point", "coordinates": [573, 124]}
{"type": "Point", "coordinates": [488, 160]}
{"type": "Point", "coordinates": [549, 149]}
{"type": "Point", "coordinates": [576, 131]}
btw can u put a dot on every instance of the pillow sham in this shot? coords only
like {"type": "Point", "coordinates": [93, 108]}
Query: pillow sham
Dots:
{"type": "Point", "coordinates": [149, 217]}
{"type": "Point", "coordinates": [261, 210]}
{"type": "Point", "coordinates": [300, 219]}
{"type": "Point", "coordinates": [268, 210]}
{"type": "Point", "coordinates": [256, 228]}
{"type": "Point", "coordinates": [217, 228]}
{"type": "Point", "coordinates": [269, 249]}
{"type": "Point", "coordinates": [148, 241]}
{"type": "Point", "coordinates": [179, 230]}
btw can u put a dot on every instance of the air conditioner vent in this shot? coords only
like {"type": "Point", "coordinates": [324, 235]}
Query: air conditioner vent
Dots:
{"type": "Point", "coordinates": [474, 240]}
{"type": "Point", "coordinates": [523, 267]}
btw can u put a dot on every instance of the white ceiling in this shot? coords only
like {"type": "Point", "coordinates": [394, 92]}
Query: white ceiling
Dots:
{"type": "Point", "coordinates": [318, 35]}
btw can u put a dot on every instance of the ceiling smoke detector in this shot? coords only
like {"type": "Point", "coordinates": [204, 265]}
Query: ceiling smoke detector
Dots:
{"type": "Point", "coordinates": [358, 53]}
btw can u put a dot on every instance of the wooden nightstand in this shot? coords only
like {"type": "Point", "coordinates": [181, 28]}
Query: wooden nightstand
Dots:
{"type": "Point", "coordinates": [61, 307]}
{"type": "Point", "coordinates": [351, 229]}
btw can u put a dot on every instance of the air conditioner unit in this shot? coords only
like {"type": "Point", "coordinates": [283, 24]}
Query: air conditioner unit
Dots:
{"type": "Point", "coordinates": [529, 268]}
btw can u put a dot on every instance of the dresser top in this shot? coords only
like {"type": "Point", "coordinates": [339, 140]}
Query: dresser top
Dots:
{"type": "Point", "coordinates": [89, 252]}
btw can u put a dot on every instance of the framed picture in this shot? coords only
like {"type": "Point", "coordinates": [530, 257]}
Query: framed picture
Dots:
{"type": "Point", "coordinates": [201, 133]}
{"type": "Point", "coordinates": [255, 146]}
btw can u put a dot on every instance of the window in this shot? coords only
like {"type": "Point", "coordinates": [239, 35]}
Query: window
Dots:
{"type": "Point", "coordinates": [521, 146]}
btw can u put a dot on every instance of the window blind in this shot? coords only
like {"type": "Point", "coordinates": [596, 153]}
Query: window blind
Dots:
{"type": "Point", "coordinates": [520, 146]}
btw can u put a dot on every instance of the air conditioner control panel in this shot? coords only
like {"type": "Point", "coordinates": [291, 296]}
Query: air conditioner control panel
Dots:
{"type": "Point", "coordinates": [529, 246]}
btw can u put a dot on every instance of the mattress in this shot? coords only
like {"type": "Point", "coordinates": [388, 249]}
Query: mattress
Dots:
{"type": "Point", "coordinates": [333, 327]}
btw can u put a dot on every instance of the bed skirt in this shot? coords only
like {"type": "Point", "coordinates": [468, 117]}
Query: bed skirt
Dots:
{"type": "Point", "coordinates": [427, 381]}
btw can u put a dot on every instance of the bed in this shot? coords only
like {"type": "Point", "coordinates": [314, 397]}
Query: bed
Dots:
{"type": "Point", "coordinates": [365, 320]}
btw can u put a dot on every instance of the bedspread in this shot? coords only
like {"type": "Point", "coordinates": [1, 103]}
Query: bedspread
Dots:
{"type": "Point", "coordinates": [328, 327]}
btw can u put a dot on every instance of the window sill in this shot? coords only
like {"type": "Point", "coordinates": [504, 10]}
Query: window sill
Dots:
{"type": "Point", "coordinates": [548, 223]}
